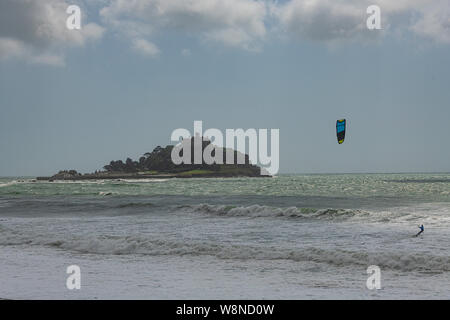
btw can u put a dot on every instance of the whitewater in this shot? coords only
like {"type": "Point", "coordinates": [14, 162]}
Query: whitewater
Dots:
{"type": "Point", "coordinates": [288, 237]}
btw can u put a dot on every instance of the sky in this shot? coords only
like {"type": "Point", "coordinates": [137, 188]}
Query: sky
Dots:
{"type": "Point", "coordinates": [137, 70]}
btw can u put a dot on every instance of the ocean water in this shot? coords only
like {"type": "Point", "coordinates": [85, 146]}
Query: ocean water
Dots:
{"type": "Point", "coordinates": [288, 237]}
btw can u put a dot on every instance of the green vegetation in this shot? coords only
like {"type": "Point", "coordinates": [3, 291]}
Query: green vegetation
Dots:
{"type": "Point", "coordinates": [159, 161]}
{"type": "Point", "coordinates": [196, 172]}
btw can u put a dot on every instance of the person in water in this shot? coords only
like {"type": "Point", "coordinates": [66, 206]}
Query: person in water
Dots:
{"type": "Point", "coordinates": [421, 230]}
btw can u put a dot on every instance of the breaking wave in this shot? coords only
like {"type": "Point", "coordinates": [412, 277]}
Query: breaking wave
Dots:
{"type": "Point", "coordinates": [436, 214]}
{"type": "Point", "coordinates": [116, 245]}
{"type": "Point", "coordinates": [267, 211]}
{"type": "Point", "coordinates": [7, 184]}
{"type": "Point", "coordinates": [256, 211]}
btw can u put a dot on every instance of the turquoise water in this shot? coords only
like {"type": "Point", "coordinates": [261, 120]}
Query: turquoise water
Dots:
{"type": "Point", "coordinates": [435, 187]}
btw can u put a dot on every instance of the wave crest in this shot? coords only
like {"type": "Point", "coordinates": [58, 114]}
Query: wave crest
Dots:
{"type": "Point", "coordinates": [118, 245]}
{"type": "Point", "coordinates": [255, 211]}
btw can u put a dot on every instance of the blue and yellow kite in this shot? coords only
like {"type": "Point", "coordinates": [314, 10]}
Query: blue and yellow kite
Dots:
{"type": "Point", "coordinates": [340, 130]}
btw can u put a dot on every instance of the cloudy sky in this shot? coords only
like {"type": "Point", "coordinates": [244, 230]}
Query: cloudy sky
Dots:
{"type": "Point", "coordinates": [138, 69]}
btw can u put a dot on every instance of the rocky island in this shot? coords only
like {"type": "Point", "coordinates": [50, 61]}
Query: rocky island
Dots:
{"type": "Point", "coordinates": [159, 164]}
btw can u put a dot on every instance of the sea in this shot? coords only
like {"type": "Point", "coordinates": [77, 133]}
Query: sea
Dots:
{"type": "Point", "coordinates": [318, 236]}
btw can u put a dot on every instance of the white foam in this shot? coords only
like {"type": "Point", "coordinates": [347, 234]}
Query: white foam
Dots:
{"type": "Point", "coordinates": [10, 183]}
{"type": "Point", "coordinates": [266, 211]}
{"type": "Point", "coordinates": [433, 214]}
{"type": "Point", "coordinates": [417, 261]}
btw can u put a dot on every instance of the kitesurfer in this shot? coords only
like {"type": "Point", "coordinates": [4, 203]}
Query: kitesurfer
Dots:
{"type": "Point", "coordinates": [421, 230]}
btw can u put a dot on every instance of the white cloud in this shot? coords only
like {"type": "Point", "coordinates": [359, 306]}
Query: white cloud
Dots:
{"type": "Point", "coordinates": [434, 22]}
{"type": "Point", "coordinates": [331, 20]}
{"type": "Point", "coordinates": [235, 23]}
{"type": "Point", "coordinates": [10, 47]}
{"type": "Point", "coordinates": [145, 47]}
{"type": "Point", "coordinates": [36, 31]}
{"type": "Point", "coordinates": [246, 23]}
{"type": "Point", "coordinates": [322, 20]}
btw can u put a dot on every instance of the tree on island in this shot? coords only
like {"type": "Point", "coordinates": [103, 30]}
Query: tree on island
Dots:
{"type": "Point", "coordinates": [160, 160]}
